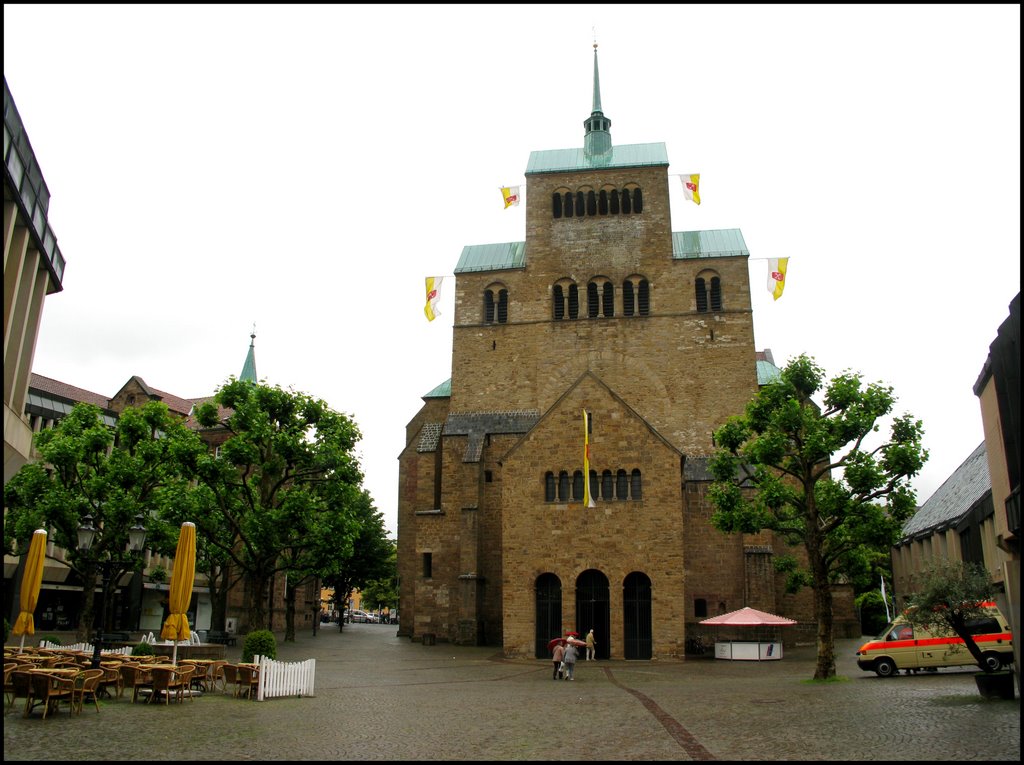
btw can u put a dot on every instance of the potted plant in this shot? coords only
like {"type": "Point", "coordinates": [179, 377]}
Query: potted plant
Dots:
{"type": "Point", "coordinates": [953, 598]}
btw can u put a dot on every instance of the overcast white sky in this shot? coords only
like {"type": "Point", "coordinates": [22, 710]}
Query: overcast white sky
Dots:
{"type": "Point", "coordinates": [304, 168]}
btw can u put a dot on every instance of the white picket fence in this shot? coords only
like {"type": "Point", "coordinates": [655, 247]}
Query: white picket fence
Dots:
{"type": "Point", "coordinates": [285, 678]}
{"type": "Point", "coordinates": [87, 647]}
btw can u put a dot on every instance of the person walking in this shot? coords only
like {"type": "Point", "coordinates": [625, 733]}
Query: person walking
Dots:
{"type": "Point", "coordinates": [557, 656]}
{"type": "Point", "coordinates": [570, 661]}
{"type": "Point", "coordinates": [591, 645]}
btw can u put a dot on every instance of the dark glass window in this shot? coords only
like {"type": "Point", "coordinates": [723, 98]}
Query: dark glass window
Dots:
{"type": "Point", "coordinates": [556, 205]}
{"type": "Point", "coordinates": [559, 303]}
{"type": "Point", "coordinates": [621, 485]}
{"type": "Point", "coordinates": [602, 202]}
{"type": "Point", "coordinates": [700, 607]}
{"type": "Point", "coordinates": [644, 298]}
{"type": "Point", "coordinates": [591, 203]}
{"type": "Point", "coordinates": [563, 487]}
{"type": "Point", "coordinates": [613, 197]}
{"type": "Point", "coordinates": [574, 302]}
{"type": "Point", "coordinates": [577, 485]}
{"type": "Point", "coordinates": [592, 301]}
{"type": "Point", "coordinates": [580, 204]}
{"type": "Point", "coordinates": [428, 565]}
{"type": "Point", "coordinates": [638, 201]}
{"type": "Point", "coordinates": [627, 298]}
{"type": "Point", "coordinates": [502, 306]}
{"type": "Point", "coordinates": [716, 294]}
{"type": "Point", "coordinates": [549, 487]}
{"type": "Point", "coordinates": [609, 299]}
{"type": "Point", "coordinates": [626, 202]}
{"type": "Point", "coordinates": [701, 294]}
{"type": "Point", "coordinates": [488, 306]}
{"type": "Point", "coordinates": [568, 204]}
{"type": "Point", "coordinates": [595, 485]}
{"type": "Point", "coordinates": [636, 485]}
{"type": "Point", "coordinates": [607, 485]}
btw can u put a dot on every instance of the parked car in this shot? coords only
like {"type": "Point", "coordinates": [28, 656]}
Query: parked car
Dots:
{"type": "Point", "coordinates": [360, 617]}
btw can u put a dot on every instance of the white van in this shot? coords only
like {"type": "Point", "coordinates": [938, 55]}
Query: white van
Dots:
{"type": "Point", "coordinates": [901, 645]}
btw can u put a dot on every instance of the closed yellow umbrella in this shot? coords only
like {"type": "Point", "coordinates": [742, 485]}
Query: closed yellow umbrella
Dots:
{"type": "Point", "coordinates": [176, 626]}
{"type": "Point", "coordinates": [30, 584]}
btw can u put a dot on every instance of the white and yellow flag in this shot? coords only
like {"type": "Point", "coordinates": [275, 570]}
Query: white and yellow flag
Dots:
{"type": "Point", "coordinates": [588, 499]}
{"type": "Point", "coordinates": [691, 186]}
{"type": "Point", "coordinates": [433, 295]}
{"type": "Point", "coordinates": [777, 276]}
{"type": "Point", "coordinates": [511, 195]}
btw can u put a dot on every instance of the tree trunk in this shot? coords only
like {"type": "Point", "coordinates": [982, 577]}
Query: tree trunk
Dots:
{"type": "Point", "coordinates": [826, 663]}
{"type": "Point", "coordinates": [86, 618]}
{"type": "Point", "coordinates": [289, 611]}
{"type": "Point", "coordinates": [258, 587]}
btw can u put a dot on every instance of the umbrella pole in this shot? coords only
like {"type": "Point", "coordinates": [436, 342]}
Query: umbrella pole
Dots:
{"type": "Point", "coordinates": [174, 657]}
{"type": "Point", "coordinates": [22, 649]}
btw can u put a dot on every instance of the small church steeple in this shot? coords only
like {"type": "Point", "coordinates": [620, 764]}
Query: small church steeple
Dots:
{"type": "Point", "coordinates": [598, 139]}
{"type": "Point", "coordinates": [249, 368]}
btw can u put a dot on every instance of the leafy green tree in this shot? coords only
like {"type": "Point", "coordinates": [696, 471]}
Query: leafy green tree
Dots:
{"type": "Point", "coordinates": [269, 482]}
{"type": "Point", "coordinates": [383, 592]}
{"type": "Point", "coordinates": [371, 550]}
{"type": "Point", "coordinates": [774, 467]}
{"type": "Point", "coordinates": [951, 595]}
{"type": "Point", "coordinates": [112, 474]}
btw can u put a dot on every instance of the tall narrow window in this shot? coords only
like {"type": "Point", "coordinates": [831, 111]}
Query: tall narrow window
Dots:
{"type": "Point", "coordinates": [563, 486]}
{"type": "Point", "coordinates": [613, 198]}
{"type": "Point", "coordinates": [559, 303]}
{"type": "Point", "coordinates": [626, 202]}
{"type": "Point", "coordinates": [488, 307]}
{"type": "Point", "coordinates": [592, 300]}
{"type": "Point", "coordinates": [607, 485]}
{"type": "Point", "coordinates": [556, 205]}
{"type": "Point", "coordinates": [591, 203]}
{"type": "Point", "coordinates": [595, 485]}
{"type": "Point", "coordinates": [701, 294]}
{"type": "Point", "coordinates": [568, 204]}
{"type": "Point", "coordinates": [428, 565]}
{"type": "Point", "coordinates": [577, 485]}
{"type": "Point", "coordinates": [627, 298]}
{"type": "Point", "coordinates": [602, 202]}
{"type": "Point", "coordinates": [636, 485]}
{"type": "Point", "coordinates": [549, 487]}
{"type": "Point", "coordinates": [716, 294]}
{"type": "Point", "coordinates": [502, 306]}
{"type": "Point", "coordinates": [574, 302]}
{"type": "Point", "coordinates": [638, 201]}
{"type": "Point", "coordinates": [644, 298]}
{"type": "Point", "coordinates": [621, 485]}
{"type": "Point", "coordinates": [581, 203]}
{"type": "Point", "coordinates": [609, 299]}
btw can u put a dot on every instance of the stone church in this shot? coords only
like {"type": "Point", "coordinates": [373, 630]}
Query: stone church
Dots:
{"type": "Point", "coordinates": [557, 481]}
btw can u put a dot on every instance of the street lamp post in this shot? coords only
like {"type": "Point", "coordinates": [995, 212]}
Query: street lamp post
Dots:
{"type": "Point", "coordinates": [136, 544]}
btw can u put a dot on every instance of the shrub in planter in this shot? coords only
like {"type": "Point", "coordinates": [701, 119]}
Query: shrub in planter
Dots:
{"type": "Point", "coordinates": [259, 643]}
{"type": "Point", "coordinates": [143, 649]}
{"type": "Point", "coordinates": [51, 639]}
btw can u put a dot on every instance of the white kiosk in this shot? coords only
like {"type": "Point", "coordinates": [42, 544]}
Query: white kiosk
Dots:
{"type": "Point", "coordinates": [761, 648]}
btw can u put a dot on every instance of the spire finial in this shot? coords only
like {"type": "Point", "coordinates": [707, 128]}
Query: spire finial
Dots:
{"type": "Point", "coordinates": [597, 140]}
{"type": "Point", "coordinates": [252, 336]}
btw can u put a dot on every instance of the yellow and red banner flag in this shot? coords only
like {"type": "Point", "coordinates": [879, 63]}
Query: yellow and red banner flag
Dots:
{"type": "Point", "coordinates": [777, 276]}
{"type": "Point", "coordinates": [433, 295]}
{"type": "Point", "coordinates": [691, 186]}
{"type": "Point", "coordinates": [588, 499]}
{"type": "Point", "coordinates": [511, 195]}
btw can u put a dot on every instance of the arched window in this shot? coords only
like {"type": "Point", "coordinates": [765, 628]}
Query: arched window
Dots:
{"type": "Point", "coordinates": [502, 306]}
{"type": "Point", "coordinates": [627, 207]}
{"type": "Point", "coordinates": [608, 301]}
{"type": "Point", "coordinates": [602, 202]}
{"type": "Point", "coordinates": [716, 294]}
{"type": "Point", "coordinates": [488, 306]}
{"type": "Point", "coordinates": [621, 485]}
{"type": "Point", "coordinates": [627, 298]}
{"type": "Point", "coordinates": [574, 302]}
{"type": "Point", "coordinates": [613, 198]}
{"type": "Point", "coordinates": [549, 487]}
{"type": "Point", "coordinates": [591, 203]}
{"type": "Point", "coordinates": [701, 295]}
{"type": "Point", "coordinates": [556, 205]}
{"type": "Point", "coordinates": [607, 485]}
{"type": "Point", "coordinates": [580, 204]}
{"type": "Point", "coordinates": [592, 300]}
{"type": "Point", "coordinates": [595, 485]}
{"type": "Point", "coordinates": [568, 204]}
{"type": "Point", "coordinates": [638, 201]}
{"type": "Point", "coordinates": [558, 301]}
{"type": "Point", "coordinates": [644, 298]}
{"type": "Point", "coordinates": [563, 486]}
{"type": "Point", "coordinates": [636, 485]}
{"type": "Point", "coordinates": [577, 485]}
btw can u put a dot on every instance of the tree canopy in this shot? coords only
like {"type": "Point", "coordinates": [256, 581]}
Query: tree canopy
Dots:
{"type": "Point", "coordinates": [814, 475]}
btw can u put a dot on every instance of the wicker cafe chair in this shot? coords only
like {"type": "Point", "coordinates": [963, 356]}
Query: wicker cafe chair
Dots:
{"type": "Point", "coordinates": [87, 686]}
{"type": "Point", "coordinates": [21, 686]}
{"type": "Point", "coordinates": [171, 681]}
{"type": "Point", "coordinates": [9, 667]}
{"type": "Point", "coordinates": [248, 681]}
{"type": "Point", "coordinates": [198, 679]}
{"type": "Point", "coordinates": [48, 691]}
{"type": "Point", "coordinates": [135, 677]}
{"type": "Point", "coordinates": [215, 673]}
{"type": "Point", "coordinates": [230, 674]}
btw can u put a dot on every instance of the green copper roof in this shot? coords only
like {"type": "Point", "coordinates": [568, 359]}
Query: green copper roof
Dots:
{"type": "Point", "coordinates": [249, 368]}
{"type": "Point", "coordinates": [568, 160]}
{"type": "Point", "coordinates": [444, 390]}
{"type": "Point", "coordinates": [491, 257]}
{"type": "Point", "coordinates": [716, 243]}
{"type": "Point", "coordinates": [767, 372]}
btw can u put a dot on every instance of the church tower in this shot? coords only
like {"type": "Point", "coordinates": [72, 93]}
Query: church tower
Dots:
{"type": "Point", "coordinates": [603, 309]}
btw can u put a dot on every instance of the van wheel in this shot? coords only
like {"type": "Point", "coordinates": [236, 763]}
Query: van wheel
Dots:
{"type": "Point", "coordinates": [993, 661]}
{"type": "Point", "coordinates": [885, 668]}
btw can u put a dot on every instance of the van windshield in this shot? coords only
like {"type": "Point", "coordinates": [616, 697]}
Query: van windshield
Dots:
{"type": "Point", "coordinates": [897, 630]}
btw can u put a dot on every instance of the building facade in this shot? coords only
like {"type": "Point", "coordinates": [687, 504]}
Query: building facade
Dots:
{"type": "Point", "coordinates": [602, 310]}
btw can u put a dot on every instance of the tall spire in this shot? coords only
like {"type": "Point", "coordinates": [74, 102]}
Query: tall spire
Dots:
{"type": "Point", "coordinates": [597, 141]}
{"type": "Point", "coordinates": [249, 368]}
